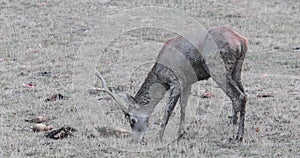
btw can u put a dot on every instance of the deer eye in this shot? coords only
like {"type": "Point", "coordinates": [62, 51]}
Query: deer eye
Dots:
{"type": "Point", "coordinates": [133, 120]}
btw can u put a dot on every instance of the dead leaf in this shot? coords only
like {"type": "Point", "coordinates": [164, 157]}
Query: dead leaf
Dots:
{"type": "Point", "coordinates": [264, 95]}
{"type": "Point", "coordinates": [55, 97]}
{"type": "Point", "coordinates": [265, 75]}
{"type": "Point", "coordinates": [37, 119]}
{"type": "Point", "coordinates": [45, 74]}
{"type": "Point", "coordinates": [29, 85]}
{"type": "Point", "coordinates": [296, 49]}
{"type": "Point", "coordinates": [113, 132]}
{"type": "Point", "coordinates": [41, 4]}
{"type": "Point", "coordinates": [63, 132]}
{"type": "Point", "coordinates": [257, 129]}
{"type": "Point", "coordinates": [41, 127]}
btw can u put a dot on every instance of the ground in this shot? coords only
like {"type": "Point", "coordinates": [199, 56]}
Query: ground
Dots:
{"type": "Point", "coordinates": [55, 46]}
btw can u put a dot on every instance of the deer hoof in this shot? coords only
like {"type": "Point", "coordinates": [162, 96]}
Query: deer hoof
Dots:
{"type": "Point", "coordinates": [239, 139]}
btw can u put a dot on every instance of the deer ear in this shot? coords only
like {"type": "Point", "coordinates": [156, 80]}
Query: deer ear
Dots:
{"type": "Point", "coordinates": [131, 99]}
{"type": "Point", "coordinates": [128, 98]}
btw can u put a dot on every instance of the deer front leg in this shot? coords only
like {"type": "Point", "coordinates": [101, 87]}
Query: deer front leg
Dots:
{"type": "Point", "coordinates": [184, 97]}
{"type": "Point", "coordinates": [175, 93]}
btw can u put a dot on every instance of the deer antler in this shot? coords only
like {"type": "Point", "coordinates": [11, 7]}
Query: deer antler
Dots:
{"type": "Point", "coordinates": [120, 102]}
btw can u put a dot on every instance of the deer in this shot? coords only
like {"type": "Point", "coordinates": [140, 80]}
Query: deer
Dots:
{"type": "Point", "coordinates": [216, 53]}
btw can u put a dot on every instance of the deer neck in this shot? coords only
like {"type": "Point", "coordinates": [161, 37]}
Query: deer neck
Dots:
{"type": "Point", "coordinates": [152, 90]}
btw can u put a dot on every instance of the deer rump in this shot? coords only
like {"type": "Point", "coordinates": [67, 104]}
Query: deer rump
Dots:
{"type": "Point", "coordinates": [200, 55]}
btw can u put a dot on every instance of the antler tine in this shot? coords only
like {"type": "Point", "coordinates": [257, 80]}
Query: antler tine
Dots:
{"type": "Point", "coordinates": [120, 102]}
{"type": "Point", "coordinates": [105, 87]}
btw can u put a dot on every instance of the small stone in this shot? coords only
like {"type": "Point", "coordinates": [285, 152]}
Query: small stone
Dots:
{"type": "Point", "coordinates": [37, 119]}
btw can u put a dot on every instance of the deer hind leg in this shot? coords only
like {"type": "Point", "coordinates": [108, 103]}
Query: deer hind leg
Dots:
{"type": "Point", "coordinates": [235, 91]}
{"type": "Point", "coordinates": [184, 97]}
{"type": "Point", "coordinates": [175, 93]}
{"type": "Point", "coordinates": [232, 87]}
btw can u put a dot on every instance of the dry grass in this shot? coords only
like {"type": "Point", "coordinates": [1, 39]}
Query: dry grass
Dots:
{"type": "Point", "coordinates": [68, 39]}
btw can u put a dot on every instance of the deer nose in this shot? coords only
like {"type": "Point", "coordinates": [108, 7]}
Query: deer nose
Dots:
{"type": "Point", "coordinates": [140, 130]}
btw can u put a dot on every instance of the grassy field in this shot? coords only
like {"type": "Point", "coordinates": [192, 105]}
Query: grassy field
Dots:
{"type": "Point", "coordinates": [57, 45]}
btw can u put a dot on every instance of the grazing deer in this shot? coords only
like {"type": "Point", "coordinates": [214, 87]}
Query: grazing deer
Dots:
{"type": "Point", "coordinates": [217, 53]}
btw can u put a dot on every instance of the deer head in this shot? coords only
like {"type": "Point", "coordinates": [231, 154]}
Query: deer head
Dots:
{"type": "Point", "coordinates": [137, 119]}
